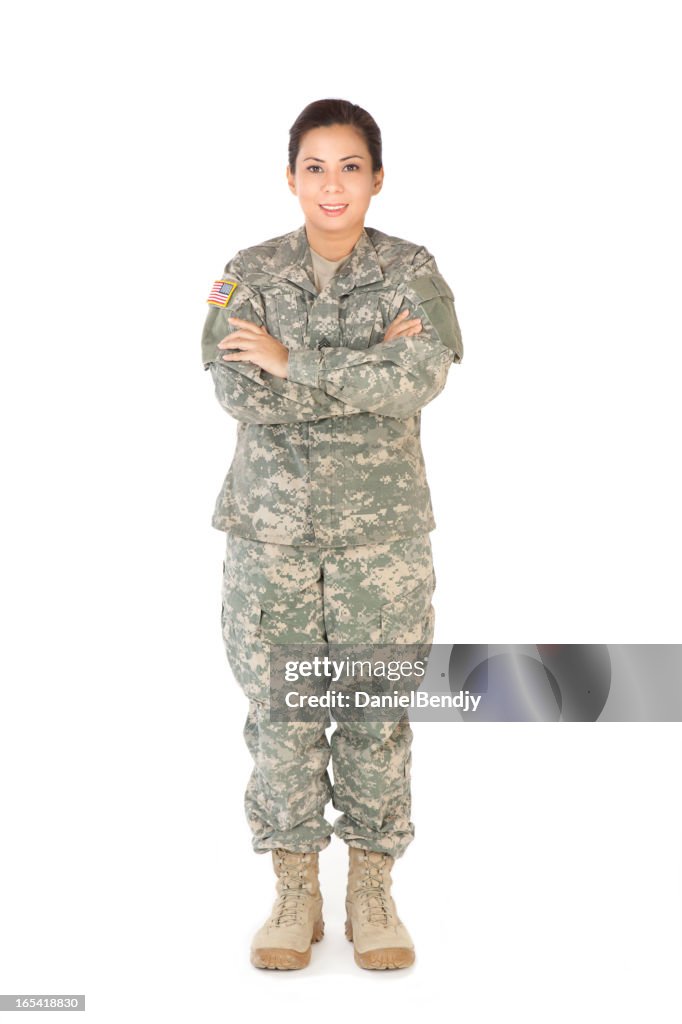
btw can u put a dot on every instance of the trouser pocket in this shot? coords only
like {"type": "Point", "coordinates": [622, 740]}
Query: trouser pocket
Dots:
{"type": "Point", "coordinates": [246, 652]}
{"type": "Point", "coordinates": [410, 619]}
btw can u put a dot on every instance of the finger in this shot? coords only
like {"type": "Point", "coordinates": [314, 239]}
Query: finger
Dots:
{"type": "Point", "coordinates": [248, 331]}
{"type": "Point", "coordinates": [397, 332]}
{"type": "Point", "coordinates": [398, 325]}
{"type": "Point", "coordinates": [244, 343]}
{"type": "Point", "coordinates": [228, 337]}
{"type": "Point", "coordinates": [231, 357]}
{"type": "Point", "coordinates": [239, 338]}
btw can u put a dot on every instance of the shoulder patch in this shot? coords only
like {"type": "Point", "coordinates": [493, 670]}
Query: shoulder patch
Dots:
{"type": "Point", "coordinates": [221, 292]}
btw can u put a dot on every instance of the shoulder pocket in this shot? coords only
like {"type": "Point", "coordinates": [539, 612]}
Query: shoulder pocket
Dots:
{"type": "Point", "coordinates": [436, 299]}
{"type": "Point", "coordinates": [430, 287]}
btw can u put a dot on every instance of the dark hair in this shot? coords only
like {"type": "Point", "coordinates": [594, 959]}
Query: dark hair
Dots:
{"type": "Point", "coordinates": [322, 113]}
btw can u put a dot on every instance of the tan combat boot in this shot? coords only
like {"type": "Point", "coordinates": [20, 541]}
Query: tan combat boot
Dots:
{"type": "Point", "coordinates": [283, 943]}
{"type": "Point", "coordinates": [380, 938]}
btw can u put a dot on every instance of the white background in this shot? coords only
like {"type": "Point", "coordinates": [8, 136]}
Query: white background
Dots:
{"type": "Point", "coordinates": [534, 149]}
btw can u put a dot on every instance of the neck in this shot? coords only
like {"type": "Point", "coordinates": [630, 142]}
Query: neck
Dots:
{"type": "Point", "coordinates": [335, 247]}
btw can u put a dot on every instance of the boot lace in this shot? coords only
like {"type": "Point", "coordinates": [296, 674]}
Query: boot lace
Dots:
{"type": "Point", "coordinates": [293, 893]}
{"type": "Point", "coordinates": [375, 900]}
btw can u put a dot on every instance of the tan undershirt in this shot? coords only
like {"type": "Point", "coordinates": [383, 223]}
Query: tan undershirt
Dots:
{"type": "Point", "coordinates": [324, 269]}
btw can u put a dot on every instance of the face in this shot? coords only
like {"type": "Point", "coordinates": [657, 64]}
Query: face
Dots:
{"type": "Point", "coordinates": [334, 168]}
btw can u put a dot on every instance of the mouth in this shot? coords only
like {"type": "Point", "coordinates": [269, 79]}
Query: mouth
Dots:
{"type": "Point", "coordinates": [333, 209]}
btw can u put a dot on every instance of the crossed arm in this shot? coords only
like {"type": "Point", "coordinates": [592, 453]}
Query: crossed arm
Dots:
{"type": "Point", "coordinates": [395, 377]}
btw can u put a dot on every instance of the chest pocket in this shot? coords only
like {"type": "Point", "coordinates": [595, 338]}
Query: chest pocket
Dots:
{"type": "Point", "coordinates": [362, 318]}
{"type": "Point", "coordinates": [286, 317]}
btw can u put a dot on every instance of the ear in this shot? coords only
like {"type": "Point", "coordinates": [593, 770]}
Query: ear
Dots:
{"type": "Point", "coordinates": [378, 182]}
{"type": "Point", "coordinates": [291, 180]}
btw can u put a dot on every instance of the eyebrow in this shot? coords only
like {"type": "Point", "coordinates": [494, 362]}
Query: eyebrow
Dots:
{"type": "Point", "coordinates": [319, 159]}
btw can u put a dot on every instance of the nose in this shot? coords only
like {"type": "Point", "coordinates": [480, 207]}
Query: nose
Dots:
{"type": "Point", "coordinates": [333, 183]}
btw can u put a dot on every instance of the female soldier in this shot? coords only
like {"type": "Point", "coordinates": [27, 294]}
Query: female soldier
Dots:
{"type": "Point", "coordinates": [325, 343]}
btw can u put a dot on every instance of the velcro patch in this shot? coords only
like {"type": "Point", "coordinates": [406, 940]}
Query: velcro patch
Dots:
{"type": "Point", "coordinates": [221, 292]}
{"type": "Point", "coordinates": [431, 287]}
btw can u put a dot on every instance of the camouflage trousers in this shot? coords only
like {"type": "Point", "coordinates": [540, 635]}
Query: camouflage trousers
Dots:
{"type": "Point", "coordinates": [274, 593]}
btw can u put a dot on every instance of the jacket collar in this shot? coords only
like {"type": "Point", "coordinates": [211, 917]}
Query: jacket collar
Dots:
{"type": "Point", "coordinates": [293, 262]}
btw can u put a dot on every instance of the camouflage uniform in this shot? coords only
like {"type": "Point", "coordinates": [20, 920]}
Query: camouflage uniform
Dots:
{"type": "Point", "coordinates": [327, 512]}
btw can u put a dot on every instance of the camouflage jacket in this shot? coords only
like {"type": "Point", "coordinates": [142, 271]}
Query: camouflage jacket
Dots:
{"type": "Point", "coordinates": [331, 455]}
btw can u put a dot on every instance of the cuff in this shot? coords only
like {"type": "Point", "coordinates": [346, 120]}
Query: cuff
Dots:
{"type": "Point", "coordinates": [229, 366]}
{"type": "Point", "coordinates": [304, 367]}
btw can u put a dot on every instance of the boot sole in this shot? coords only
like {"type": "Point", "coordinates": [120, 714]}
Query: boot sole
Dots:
{"type": "Point", "coordinates": [273, 959]}
{"type": "Point", "coordinates": [391, 958]}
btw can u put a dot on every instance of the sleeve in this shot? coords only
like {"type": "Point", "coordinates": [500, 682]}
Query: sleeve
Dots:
{"type": "Point", "coordinates": [247, 392]}
{"type": "Point", "coordinates": [397, 377]}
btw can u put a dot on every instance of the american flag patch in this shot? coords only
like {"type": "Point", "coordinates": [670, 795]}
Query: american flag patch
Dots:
{"type": "Point", "coordinates": [221, 292]}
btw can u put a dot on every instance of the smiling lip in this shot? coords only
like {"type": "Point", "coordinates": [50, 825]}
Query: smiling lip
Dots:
{"type": "Point", "coordinates": [334, 212]}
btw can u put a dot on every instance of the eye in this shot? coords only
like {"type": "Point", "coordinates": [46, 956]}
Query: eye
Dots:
{"type": "Point", "coordinates": [355, 166]}
{"type": "Point", "coordinates": [313, 167]}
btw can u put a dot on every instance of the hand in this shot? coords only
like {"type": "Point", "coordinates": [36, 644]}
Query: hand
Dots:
{"type": "Point", "coordinates": [257, 346]}
{"type": "Point", "coordinates": [401, 327]}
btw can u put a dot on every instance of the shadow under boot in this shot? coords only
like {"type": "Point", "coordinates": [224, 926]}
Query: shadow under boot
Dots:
{"type": "Point", "coordinates": [380, 939]}
{"type": "Point", "coordinates": [284, 941]}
